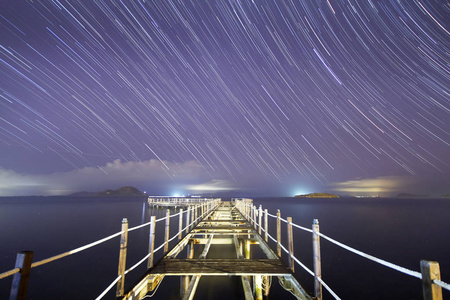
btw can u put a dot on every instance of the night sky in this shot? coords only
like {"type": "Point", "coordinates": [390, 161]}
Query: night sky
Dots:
{"type": "Point", "coordinates": [260, 97]}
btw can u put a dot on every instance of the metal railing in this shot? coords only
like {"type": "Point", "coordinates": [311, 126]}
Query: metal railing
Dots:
{"type": "Point", "coordinates": [193, 215]}
{"type": "Point", "coordinates": [430, 274]}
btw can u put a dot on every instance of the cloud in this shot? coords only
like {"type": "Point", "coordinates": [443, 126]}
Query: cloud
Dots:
{"type": "Point", "coordinates": [211, 186]}
{"type": "Point", "coordinates": [151, 173]}
{"type": "Point", "coordinates": [377, 185]}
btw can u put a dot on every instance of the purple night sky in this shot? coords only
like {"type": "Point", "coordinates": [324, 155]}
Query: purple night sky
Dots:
{"type": "Point", "coordinates": [261, 97]}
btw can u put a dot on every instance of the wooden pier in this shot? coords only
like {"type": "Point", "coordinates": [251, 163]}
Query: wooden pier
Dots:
{"type": "Point", "coordinates": [225, 225]}
{"type": "Point", "coordinates": [174, 202]}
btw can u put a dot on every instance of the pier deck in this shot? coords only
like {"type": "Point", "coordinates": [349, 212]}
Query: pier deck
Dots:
{"type": "Point", "coordinates": [223, 226]}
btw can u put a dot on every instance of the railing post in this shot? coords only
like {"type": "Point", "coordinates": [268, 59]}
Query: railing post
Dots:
{"type": "Point", "coordinates": [266, 226]}
{"type": "Point", "coordinates": [278, 233]}
{"type": "Point", "coordinates": [19, 287]}
{"type": "Point", "coordinates": [122, 257]}
{"type": "Point", "coordinates": [291, 244]}
{"type": "Point", "coordinates": [317, 260]}
{"type": "Point", "coordinates": [254, 216]}
{"type": "Point", "coordinates": [166, 232]}
{"type": "Point", "coordinates": [430, 271]}
{"type": "Point", "coordinates": [195, 213]}
{"type": "Point", "coordinates": [151, 241]}
{"type": "Point", "coordinates": [188, 213]}
{"type": "Point", "coordinates": [180, 224]}
{"type": "Point", "coordinates": [192, 217]}
{"type": "Point", "coordinates": [260, 219]}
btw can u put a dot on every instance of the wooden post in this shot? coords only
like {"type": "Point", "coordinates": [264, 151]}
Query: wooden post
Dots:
{"type": "Point", "coordinates": [188, 213]}
{"type": "Point", "coordinates": [266, 285]}
{"type": "Point", "coordinates": [317, 260]}
{"type": "Point", "coordinates": [192, 217]}
{"type": "Point", "coordinates": [266, 226]}
{"type": "Point", "coordinates": [255, 211]}
{"type": "Point", "coordinates": [247, 249]}
{"type": "Point", "coordinates": [185, 279]}
{"type": "Point", "coordinates": [190, 250]}
{"type": "Point", "coordinates": [278, 233]}
{"type": "Point", "coordinates": [166, 232]}
{"type": "Point", "coordinates": [195, 213]}
{"type": "Point", "coordinates": [258, 287]}
{"type": "Point", "coordinates": [122, 257]}
{"type": "Point", "coordinates": [19, 287]}
{"type": "Point", "coordinates": [241, 248]}
{"type": "Point", "coordinates": [291, 244]}
{"type": "Point", "coordinates": [260, 219]}
{"type": "Point", "coordinates": [151, 241]}
{"type": "Point", "coordinates": [180, 224]}
{"type": "Point", "coordinates": [430, 271]}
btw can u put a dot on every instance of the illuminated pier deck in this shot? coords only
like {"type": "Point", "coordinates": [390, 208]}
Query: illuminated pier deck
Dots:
{"type": "Point", "coordinates": [224, 225]}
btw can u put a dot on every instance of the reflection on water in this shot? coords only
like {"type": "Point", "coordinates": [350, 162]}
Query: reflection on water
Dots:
{"type": "Point", "coordinates": [400, 231]}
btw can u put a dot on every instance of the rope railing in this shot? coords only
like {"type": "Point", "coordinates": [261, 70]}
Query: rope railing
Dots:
{"type": "Point", "coordinates": [328, 288]}
{"type": "Point", "coordinates": [59, 256]}
{"type": "Point", "coordinates": [9, 273]}
{"type": "Point", "coordinates": [287, 251]}
{"type": "Point", "coordinates": [161, 246]}
{"type": "Point", "coordinates": [109, 287]}
{"type": "Point", "coordinates": [248, 209]}
{"type": "Point", "coordinates": [206, 208]}
{"type": "Point", "coordinates": [442, 284]}
{"type": "Point", "coordinates": [373, 258]}
{"type": "Point", "coordinates": [144, 259]}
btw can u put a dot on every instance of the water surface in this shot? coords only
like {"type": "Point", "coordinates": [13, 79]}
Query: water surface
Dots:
{"type": "Point", "coordinates": [398, 230]}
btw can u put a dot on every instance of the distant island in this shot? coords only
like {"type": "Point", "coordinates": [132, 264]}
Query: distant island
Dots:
{"type": "Point", "coordinates": [317, 195]}
{"type": "Point", "coordinates": [408, 195]}
{"type": "Point", "coordinates": [125, 191]}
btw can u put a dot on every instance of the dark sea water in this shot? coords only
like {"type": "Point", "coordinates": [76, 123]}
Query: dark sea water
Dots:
{"type": "Point", "coordinates": [402, 231]}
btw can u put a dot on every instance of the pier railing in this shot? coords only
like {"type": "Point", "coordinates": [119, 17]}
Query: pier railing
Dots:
{"type": "Point", "coordinates": [192, 215]}
{"type": "Point", "coordinates": [430, 273]}
{"type": "Point", "coordinates": [175, 201]}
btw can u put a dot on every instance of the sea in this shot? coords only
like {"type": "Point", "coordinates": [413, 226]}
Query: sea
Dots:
{"type": "Point", "coordinates": [401, 231]}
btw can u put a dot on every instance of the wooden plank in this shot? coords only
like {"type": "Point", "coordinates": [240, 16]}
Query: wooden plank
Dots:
{"type": "Point", "coordinates": [240, 221]}
{"type": "Point", "coordinates": [190, 292]}
{"type": "Point", "coordinates": [215, 241]}
{"type": "Point", "coordinates": [207, 246]}
{"type": "Point", "coordinates": [289, 283]}
{"type": "Point", "coordinates": [247, 288]}
{"type": "Point", "coordinates": [220, 267]}
{"type": "Point", "coordinates": [145, 285]}
{"type": "Point", "coordinates": [241, 227]}
{"type": "Point", "coordinates": [200, 234]}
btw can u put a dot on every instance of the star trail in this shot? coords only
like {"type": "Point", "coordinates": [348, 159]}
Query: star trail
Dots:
{"type": "Point", "coordinates": [257, 96]}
